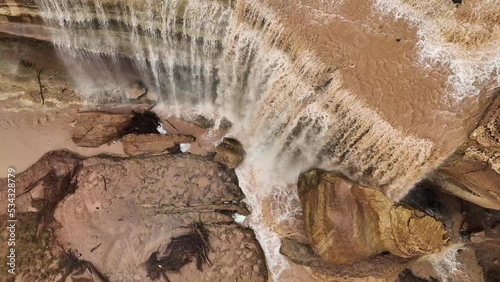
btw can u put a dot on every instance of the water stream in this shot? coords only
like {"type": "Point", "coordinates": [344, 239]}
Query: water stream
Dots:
{"type": "Point", "coordinates": [226, 59]}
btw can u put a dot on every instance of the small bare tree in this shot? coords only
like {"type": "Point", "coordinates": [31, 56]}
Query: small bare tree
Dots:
{"type": "Point", "coordinates": [39, 73]}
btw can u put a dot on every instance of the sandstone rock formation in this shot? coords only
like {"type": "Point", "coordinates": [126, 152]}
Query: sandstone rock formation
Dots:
{"type": "Point", "coordinates": [93, 129]}
{"type": "Point", "coordinates": [346, 222]}
{"type": "Point", "coordinates": [138, 144]}
{"type": "Point", "coordinates": [230, 152]}
{"type": "Point", "coordinates": [117, 211]}
{"type": "Point", "coordinates": [365, 116]}
{"type": "Point", "coordinates": [473, 172]}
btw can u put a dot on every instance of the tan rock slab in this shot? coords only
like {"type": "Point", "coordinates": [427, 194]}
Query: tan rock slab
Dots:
{"type": "Point", "coordinates": [93, 129]}
{"type": "Point", "coordinates": [138, 144]}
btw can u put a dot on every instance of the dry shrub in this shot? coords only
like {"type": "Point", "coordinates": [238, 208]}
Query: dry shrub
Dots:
{"type": "Point", "coordinates": [77, 266]}
{"type": "Point", "coordinates": [182, 250]}
{"type": "Point", "coordinates": [142, 123]}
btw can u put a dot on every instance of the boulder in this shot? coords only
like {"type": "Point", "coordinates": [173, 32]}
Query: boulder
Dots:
{"type": "Point", "coordinates": [138, 144]}
{"type": "Point", "coordinates": [137, 90]}
{"type": "Point", "coordinates": [346, 222]}
{"type": "Point", "coordinates": [118, 212]}
{"type": "Point", "coordinates": [93, 129]}
{"type": "Point", "coordinates": [225, 124]}
{"type": "Point", "coordinates": [230, 153]}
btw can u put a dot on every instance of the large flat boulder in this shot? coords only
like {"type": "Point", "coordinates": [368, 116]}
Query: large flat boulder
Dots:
{"type": "Point", "coordinates": [120, 212]}
{"type": "Point", "coordinates": [346, 222]}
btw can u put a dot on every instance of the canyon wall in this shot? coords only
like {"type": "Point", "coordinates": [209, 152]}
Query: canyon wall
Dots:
{"type": "Point", "coordinates": [336, 75]}
{"type": "Point", "coordinates": [338, 85]}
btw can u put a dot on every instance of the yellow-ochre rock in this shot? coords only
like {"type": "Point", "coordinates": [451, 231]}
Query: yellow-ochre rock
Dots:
{"type": "Point", "coordinates": [346, 222]}
{"type": "Point", "coordinates": [230, 153]}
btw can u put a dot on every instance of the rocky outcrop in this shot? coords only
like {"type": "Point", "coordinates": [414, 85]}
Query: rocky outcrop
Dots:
{"type": "Point", "coordinates": [473, 172]}
{"type": "Point", "coordinates": [230, 153]}
{"type": "Point", "coordinates": [378, 268]}
{"type": "Point", "coordinates": [93, 129]}
{"type": "Point", "coordinates": [138, 144]}
{"type": "Point", "coordinates": [346, 222]}
{"type": "Point", "coordinates": [118, 211]}
{"type": "Point", "coordinates": [367, 124]}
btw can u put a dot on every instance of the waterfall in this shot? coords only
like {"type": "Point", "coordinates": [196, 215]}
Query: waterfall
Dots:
{"type": "Point", "coordinates": [232, 58]}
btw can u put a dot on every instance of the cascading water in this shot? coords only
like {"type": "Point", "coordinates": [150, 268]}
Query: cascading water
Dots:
{"type": "Point", "coordinates": [230, 58]}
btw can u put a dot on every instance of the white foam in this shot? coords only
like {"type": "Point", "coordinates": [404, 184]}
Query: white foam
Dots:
{"type": "Point", "coordinates": [185, 147]}
{"type": "Point", "coordinates": [160, 129]}
{"type": "Point", "coordinates": [471, 69]}
{"type": "Point", "coordinates": [255, 189]}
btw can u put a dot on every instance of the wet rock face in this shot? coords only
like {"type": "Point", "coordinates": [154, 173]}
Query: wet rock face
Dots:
{"type": "Point", "coordinates": [123, 210]}
{"type": "Point", "coordinates": [347, 223]}
{"type": "Point", "coordinates": [138, 144]}
{"type": "Point", "coordinates": [230, 152]}
{"type": "Point", "coordinates": [93, 129]}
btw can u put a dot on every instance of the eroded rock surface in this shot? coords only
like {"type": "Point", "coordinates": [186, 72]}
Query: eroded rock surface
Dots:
{"type": "Point", "coordinates": [347, 223]}
{"type": "Point", "coordinates": [230, 152]}
{"type": "Point", "coordinates": [138, 144]}
{"type": "Point", "coordinates": [473, 172]}
{"type": "Point", "coordinates": [474, 246]}
{"type": "Point", "coordinates": [124, 209]}
{"type": "Point", "coordinates": [93, 129]}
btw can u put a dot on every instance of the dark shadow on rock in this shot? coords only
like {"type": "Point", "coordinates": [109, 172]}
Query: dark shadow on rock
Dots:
{"type": "Point", "coordinates": [408, 276]}
{"type": "Point", "coordinates": [76, 268]}
{"type": "Point", "coordinates": [426, 197]}
{"type": "Point", "coordinates": [142, 123]}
